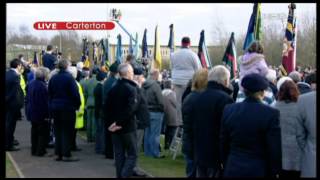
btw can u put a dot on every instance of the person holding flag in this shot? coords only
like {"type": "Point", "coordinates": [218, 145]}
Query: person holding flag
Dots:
{"type": "Point", "coordinates": [230, 57]}
{"type": "Point", "coordinates": [289, 49]}
{"type": "Point", "coordinates": [203, 52]}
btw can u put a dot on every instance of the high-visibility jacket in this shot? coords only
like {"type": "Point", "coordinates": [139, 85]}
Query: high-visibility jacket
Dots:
{"type": "Point", "coordinates": [23, 84]}
{"type": "Point", "coordinates": [80, 112]}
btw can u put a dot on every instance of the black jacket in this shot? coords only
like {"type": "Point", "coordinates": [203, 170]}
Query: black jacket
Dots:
{"type": "Point", "coordinates": [154, 95]}
{"type": "Point", "coordinates": [98, 108]}
{"type": "Point", "coordinates": [14, 93]}
{"type": "Point", "coordinates": [208, 110]}
{"type": "Point", "coordinates": [188, 118]}
{"type": "Point", "coordinates": [143, 114]}
{"type": "Point", "coordinates": [250, 140]}
{"type": "Point", "coordinates": [122, 104]}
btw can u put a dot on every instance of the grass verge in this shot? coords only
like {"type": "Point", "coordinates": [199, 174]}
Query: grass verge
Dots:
{"type": "Point", "coordinates": [10, 170]}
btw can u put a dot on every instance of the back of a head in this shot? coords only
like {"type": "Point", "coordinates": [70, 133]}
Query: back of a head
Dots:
{"type": "Point", "coordinates": [288, 92]}
{"type": "Point", "coordinates": [154, 74]}
{"type": "Point", "coordinates": [123, 69]}
{"type": "Point", "coordinates": [167, 84]}
{"type": "Point", "coordinates": [282, 80]}
{"type": "Point", "coordinates": [63, 64]}
{"type": "Point", "coordinates": [185, 41]}
{"type": "Point", "coordinates": [311, 78]}
{"type": "Point", "coordinates": [15, 63]}
{"type": "Point", "coordinates": [220, 74]}
{"type": "Point", "coordinates": [256, 47]}
{"type": "Point", "coordinates": [130, 58]}
{"type": "Point", "coordinates": [42, 73]}
{"type": "Point", "coordinates": [20, 56]}
{"type": "Point", "coordinates": [199, 80]}
{"type": "Point", "coordinates": [49, 48]}
{"type": "Point", "coordinates": [295, 76]}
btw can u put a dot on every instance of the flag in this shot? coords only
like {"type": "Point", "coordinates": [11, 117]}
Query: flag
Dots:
{"type": "Point", "coordinates": [203, 52]}
{"type": "Point", "coordinates": [136, 48]}
{"type": "Point", "coordinates": [289, 46]}
{"type": "Point", "coordinates": [157, 52]}
{"type": "Point", "coordinates": [119, 50]}
{"type": "Point", "coordinates": [230, 57]}
{"type": "Point", "coordinates": [145, 45]}
{"type": "Point", "coordinates": [254, 32]}
{"type": "Point", "coordinates": [35, 59]}
{"type": "Point", "coordinates": [171, 44]}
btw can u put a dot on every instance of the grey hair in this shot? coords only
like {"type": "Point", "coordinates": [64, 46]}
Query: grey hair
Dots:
{"type": "Point", "coordinates": [219, 74]}
{"type": "Point", "coordinates": [295, 76]}
{"type": "Point", "coordinates": [63, 64]}
{"type": "Point", "coordinates": [42, 73]}
{"type": "Point", "coordinates": [123, 69]}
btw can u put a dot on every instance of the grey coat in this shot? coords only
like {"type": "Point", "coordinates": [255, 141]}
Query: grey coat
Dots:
{"type": "Point", "coordinates": [291, 152]}
{"type": "Point", "coordinates": [170, 108]}
{"type": "Point", "coordinates": [307, 133]}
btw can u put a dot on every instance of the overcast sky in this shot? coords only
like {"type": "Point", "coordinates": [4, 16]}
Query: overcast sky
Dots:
{"type": "Point", "coordinates": [188, 19]}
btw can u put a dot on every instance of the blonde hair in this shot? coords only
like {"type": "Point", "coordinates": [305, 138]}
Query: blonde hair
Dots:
{"type": "Point", "coordinates": [199, 80]}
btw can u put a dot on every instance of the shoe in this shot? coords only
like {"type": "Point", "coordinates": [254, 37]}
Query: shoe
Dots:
{"type": "Point", "coordinates": [161, 157]}
{"type": "Point", "coordinates": [16, 142]}
{"type": "Point", "coordinates": [70, 159]}
{"type": "Point", "coordinates": [139, 173]}
{"type": "Point", "coordinates": [76, 149]}
{"type": "Point", "coordinates": [59, 158]}
{"type": "Point", "coordinates": [13, 149]}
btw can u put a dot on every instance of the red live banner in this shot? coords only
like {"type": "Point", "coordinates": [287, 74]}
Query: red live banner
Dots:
{"type": "Point", "coordinates": [73, 25]}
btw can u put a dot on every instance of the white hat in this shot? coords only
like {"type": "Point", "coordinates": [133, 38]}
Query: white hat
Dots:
{"type": "Point", "coordinates": [80, 66]}
{"type": "Point", "coordinates": [271, 75]}
{"type": "Point", "coordinates": [282, 80]}
{"type": "Point", "coordinates": [73, 71]}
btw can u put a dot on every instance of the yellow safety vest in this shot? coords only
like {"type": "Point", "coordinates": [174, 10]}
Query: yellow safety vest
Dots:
{"type": "Point", "coordinates": [80, 112]}
{"type": "Point", "coordinates": [23, 85]}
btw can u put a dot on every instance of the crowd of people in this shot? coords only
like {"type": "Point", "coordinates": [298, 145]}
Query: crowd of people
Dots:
{"type": "Point", "coordinates": [259, 124]}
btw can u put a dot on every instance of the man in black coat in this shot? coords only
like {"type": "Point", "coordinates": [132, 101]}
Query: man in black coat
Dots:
{"type": "Point", "coordinates": [121, 107]}
{"type": "Point", "coordinates": [64, 100]}
{"type": "Point", "coordinates": [208, 110]}
{"type": "Point", "coordinates": [48, 59]}
{"type": "Point", "coordinates": [250, 134]}
{"type": "Point", "coordinates": [14, 102]}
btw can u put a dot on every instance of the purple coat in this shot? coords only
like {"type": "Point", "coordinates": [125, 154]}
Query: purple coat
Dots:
{"type": "Point", "coordinates": [253, 63]}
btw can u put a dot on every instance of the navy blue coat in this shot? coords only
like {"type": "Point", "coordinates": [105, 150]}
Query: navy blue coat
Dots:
{"type": "Point", "coordinates": [14, 93]}
{"type": "Point", "coordinates": [250, 140]}
{"type": "Point", "coordinates": [49, 60]}
{"type": "Point", "coordinates": [208, 110]}
{"type": "Point", "coordinates": [37, 108]}
{"type": "Point", "coordinates": [63, 92]}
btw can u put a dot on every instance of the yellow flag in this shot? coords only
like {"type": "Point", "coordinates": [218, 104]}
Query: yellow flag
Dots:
{"type": "Point", "coordinates": [157, 53]}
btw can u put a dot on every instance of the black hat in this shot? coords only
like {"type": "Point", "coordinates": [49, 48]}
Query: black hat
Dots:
{"type": "Point", "coordinates": [114, 67]}
{"type": "Point", "coordinates": [138, 71]}
{"type": "Point", "coordinates": [101, 75]}
{"type": "Point", "coordinates": [254, 83]}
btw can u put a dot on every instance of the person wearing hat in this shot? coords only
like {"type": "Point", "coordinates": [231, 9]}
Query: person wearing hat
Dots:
{"type": "Point", "coordinates": [100, 129]}
{"type": "Point", "coordinates": [107, 85]}
{"type": "Point", "coordinates": [250, 138]}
